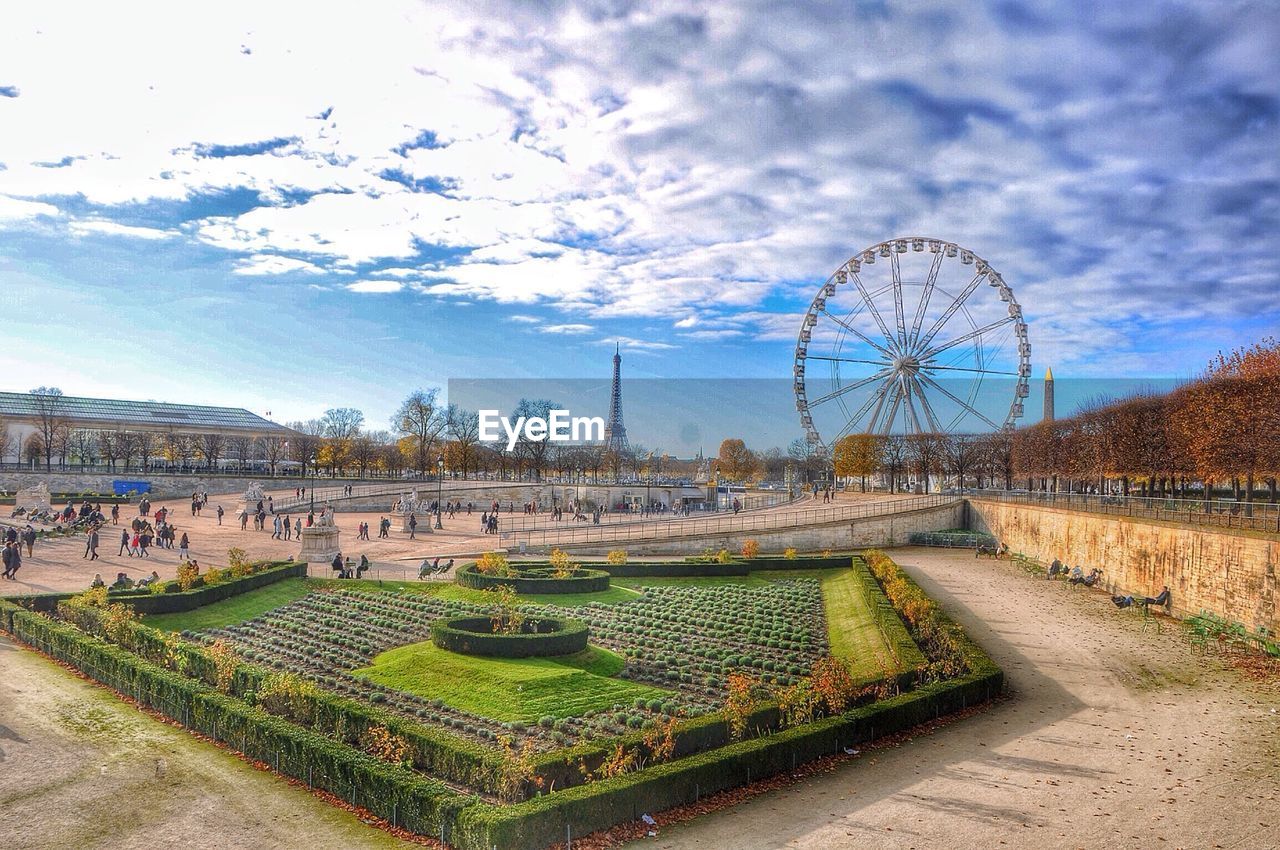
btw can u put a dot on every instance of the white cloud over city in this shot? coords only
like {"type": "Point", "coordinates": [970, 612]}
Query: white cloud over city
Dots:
{"type": "Point", "coordinates": [699, 167]}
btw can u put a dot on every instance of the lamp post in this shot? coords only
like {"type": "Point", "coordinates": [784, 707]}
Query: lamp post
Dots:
{"type": "Point", "coordinates": [439, 489]}
{"type": "Point", "coordinates": [313, 483]}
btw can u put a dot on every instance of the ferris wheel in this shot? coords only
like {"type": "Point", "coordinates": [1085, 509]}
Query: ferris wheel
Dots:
{"type": "Point", "coordinates": [904, 338]}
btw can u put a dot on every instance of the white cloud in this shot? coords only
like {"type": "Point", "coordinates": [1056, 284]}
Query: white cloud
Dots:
{"type": "Point", "coordinates": [528, 320]}
{"type": "Point", "coordinates": [267, 264]}
{"type": "Point", "coordinates": [15, 209]}
{"type": "Point", "coordinates": [111, 228]}
{"type": "Point", "coordinates": [674, 155]}
{"type": "Point", "coordinates": [376, 286]}
{"type": "Point", "coordinates": [572, 329]}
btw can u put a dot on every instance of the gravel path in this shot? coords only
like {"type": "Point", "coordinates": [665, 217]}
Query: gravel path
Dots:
{"type": "Point", "coordinates": [1112, 738]}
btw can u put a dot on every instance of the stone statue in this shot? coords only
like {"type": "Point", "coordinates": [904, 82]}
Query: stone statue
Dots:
{"type": "Point", "coordinates": [325, 520]}
{"type": "Point", "coordinates": [254, 492]}
{"type": "Point", "coordinates": [409, 503]}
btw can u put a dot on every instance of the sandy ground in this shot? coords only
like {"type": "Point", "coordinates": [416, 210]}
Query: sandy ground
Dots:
{"type": "Point", "coordinates": [79, 768]}
{"type": "Point", "coordinates": [61, 565]}
{"type": "Point", "coordinates": [1111, 738]}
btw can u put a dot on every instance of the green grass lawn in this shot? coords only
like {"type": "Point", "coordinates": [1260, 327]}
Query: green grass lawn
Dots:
{"type": "Point", "coordinates": [509, 689]}
{"type": "Point", "coordinates": [851, 625]}
{"type": "Point", "coordinates": [237, 609]}
{"type": "Point", "coordinates": [455, 592]}
{"type": "Point", "coordinates": [752, 580]}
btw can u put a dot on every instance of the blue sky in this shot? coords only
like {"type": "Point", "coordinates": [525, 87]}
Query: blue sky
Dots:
{"type": "Point", "coordinates": [291, 207]}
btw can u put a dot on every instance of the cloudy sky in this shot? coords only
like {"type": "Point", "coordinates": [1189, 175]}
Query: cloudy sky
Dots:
{"type": "Point", "coordinates": [296, 206]}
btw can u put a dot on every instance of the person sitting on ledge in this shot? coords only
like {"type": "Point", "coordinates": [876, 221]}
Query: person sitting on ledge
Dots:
{"type": "Point", "coordinates": [97, 581]}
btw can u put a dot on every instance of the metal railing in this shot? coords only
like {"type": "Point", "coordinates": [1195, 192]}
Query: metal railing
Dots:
{"type": "Point", "coordinates": [1219, 513]}
{"type": "Point", "coordinates": [694, 527]}
{"type": "Point", "coordinates": [511, 515]}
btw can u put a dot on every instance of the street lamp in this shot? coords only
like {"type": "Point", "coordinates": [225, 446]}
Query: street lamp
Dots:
{"type": "Point", "coordinates": [439, 489]}
{"type": "Point", "coordinates": [313, 482]}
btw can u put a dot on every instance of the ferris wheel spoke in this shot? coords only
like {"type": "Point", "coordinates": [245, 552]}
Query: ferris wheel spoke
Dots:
{"type": "Point", "coordinates": [938, 349]}
{"type": "Point", "coordinates": [862, 411]}
{"type": "Point", "coordinates": [952, 308]}
{"type": "Point", "coordinates": [871, 305]}
{"type": "Point", "coordinates": [897, 300]}
{"type": "Point", "coordinates": [859, 334]}
{"type": "Point", "coordinates": [929, 282]}
{"type": "Point", "coordinates": [964, 404]}
{"type": "Point", "coordinates": [883, 373]}
{"type": "Point", "coordinates": [934, 425]}
{"type": "Point", "coordinates": [909, 405]}
{"type": "Point", "coordinates": [875, 417]}
{"type": "Point", "coordinates": [879, 363]}
{"type": "Point", "coordinates": [893, 411]}
{"type": "Point", "coordinates": [931, 367]}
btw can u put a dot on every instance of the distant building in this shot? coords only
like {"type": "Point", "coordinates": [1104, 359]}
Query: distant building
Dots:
{"type": "Point", "coordinates": [615, 433]}
{"type": "Point", "coordinates": [1048, 395]}
{"type": "Point", "coordinates": [22, 416]}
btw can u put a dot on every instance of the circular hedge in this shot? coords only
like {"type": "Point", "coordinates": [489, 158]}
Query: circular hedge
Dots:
{"type": "Point", "coordinates": [475, 636]}
{"type": "Point", "coordinates": [537, 580]}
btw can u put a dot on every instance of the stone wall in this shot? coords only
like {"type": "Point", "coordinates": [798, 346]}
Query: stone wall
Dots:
{"type": "Point", "coordinates": [889, 530]}
{"type": "Point", "coordinates": [163, 485]}
{"type": "Point", "coordinates": [1232, 574]}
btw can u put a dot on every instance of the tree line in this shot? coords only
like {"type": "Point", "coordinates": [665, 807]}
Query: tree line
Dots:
{"type": "Point", "coordinates": [1218, 432]}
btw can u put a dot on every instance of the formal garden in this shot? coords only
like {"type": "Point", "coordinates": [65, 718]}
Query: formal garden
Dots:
{"type": "Point", "coordinates": [528, 702]}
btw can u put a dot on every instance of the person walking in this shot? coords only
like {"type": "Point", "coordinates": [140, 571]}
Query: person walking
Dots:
{"type": "Point", "coordinates": [124, 544]}
{"type": "Point", "coordinates": [276, 531]}
{"type": "Point", "coordinates": [288, 528]}
{"type": "Point", "coordinates": [182, 546]}
{"type": "Point", "coordinates": [88, 543]}
{"type": "Point", "coordinates": [115, 514]}
{"type": "Point", "coordinates": [219, 514]}
{"type": "Point", "coordinates": [29, 537]}
{"type": "Point", "coordinates": [413, 526]}
{"type": "Point", "coordinates": [12, 560]}
{"type": "Point", "coordinates": [91, 546]}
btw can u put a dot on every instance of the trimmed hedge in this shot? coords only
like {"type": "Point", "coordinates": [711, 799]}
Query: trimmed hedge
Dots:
{"type": "Point", "coordinates": [542, 821]}
{"type": "Point", "coordinates": [174, 600]}
{"type": "Point", "coordinates": [434, 750]}
{"type": "Point", "coordinates": [412, 801]}
{"type": "Point", "coordinates": [526, 580]}
{"type": "Point", "coordinates": [475, 636]}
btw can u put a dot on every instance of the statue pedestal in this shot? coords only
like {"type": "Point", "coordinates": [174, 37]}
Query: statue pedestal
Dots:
{"type": "Point", "coordinates": [424, 523]}
{"type": "Point", "coordinates": [319, 544]}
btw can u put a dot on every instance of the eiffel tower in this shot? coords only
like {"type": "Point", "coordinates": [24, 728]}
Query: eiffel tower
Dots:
{"type": "Point", "coordinates": [615, 433]}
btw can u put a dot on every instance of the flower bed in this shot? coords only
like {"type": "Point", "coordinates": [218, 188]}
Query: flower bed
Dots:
{"type": "Point", "coordinates": [475, 636]}
{"type": "Point", "coordinates": [538, 579]}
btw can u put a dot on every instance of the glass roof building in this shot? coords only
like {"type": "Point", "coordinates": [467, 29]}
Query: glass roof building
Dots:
{"type": "Point", "coordinates": [117, 414]}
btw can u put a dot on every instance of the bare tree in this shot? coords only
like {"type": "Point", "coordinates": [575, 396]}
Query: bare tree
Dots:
{"type": "Point", "coordinates": [422, 419]}
{"type": "Point", "coordinates": [464, 428]}
{"type": "Point", "coordinates": [50, 409]}
{"type": "Point", "coordinates": [304, 445]}
{"type": "Point", "coordinates": [364, 452]}
{"type": "Point", "coordinates": [110, 446]}
{"type": "Point", "coordinates": [82, 443]}
{"type": "Point", "coordinates": [272, 450]}
{"type": "Point", "coordinates": [241, 448]}
{"type": "Point", "coordinates": [893, 458]}
{"type": "Point", "coordinates": [8, 444]}
{"type": "Point", "coordinates": [960, 453]}
{"type": "Point", "coordinates": [210, 446]}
